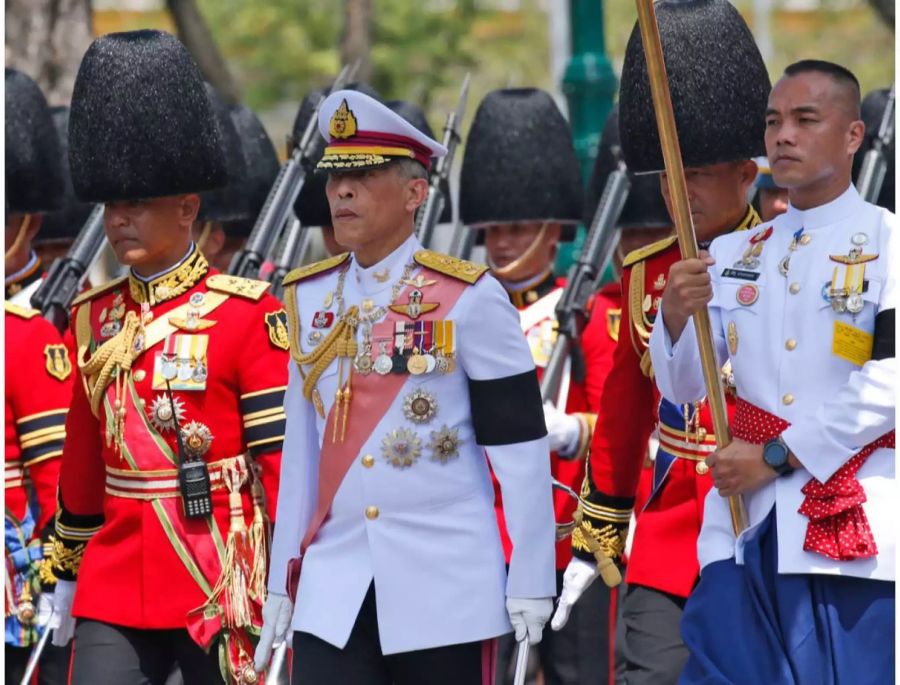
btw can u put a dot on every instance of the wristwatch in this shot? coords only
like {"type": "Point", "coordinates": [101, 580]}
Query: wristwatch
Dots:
{"type": "Point", "coordinates": [775, 454]}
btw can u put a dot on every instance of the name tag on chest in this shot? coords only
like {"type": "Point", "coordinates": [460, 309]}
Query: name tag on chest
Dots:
{"type": "Point", "coordinates": [742, 274]}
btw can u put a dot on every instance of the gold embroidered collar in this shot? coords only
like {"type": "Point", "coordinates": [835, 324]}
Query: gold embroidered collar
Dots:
{"type": "Point", "coordinates": [750, 220]}
{"type": "Point", "coordinates": [169, 285]}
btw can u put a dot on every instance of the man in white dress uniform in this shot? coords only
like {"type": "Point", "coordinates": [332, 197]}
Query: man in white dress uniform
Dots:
{"type": "Point", "coordinates": [409, 367]}
{"type": "Point", "coordinates": [804, 308]}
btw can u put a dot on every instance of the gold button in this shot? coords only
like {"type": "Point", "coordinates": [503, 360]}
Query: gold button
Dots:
{"type": "Point", "coordinates": [790, 344]}
{"type": "Point", "coordinates": [805, 238]}
{"type": "Point", "coordinates": [788, 399]}
{"type": "Point", "coordinates": [140, 375]}
{"type": "Point", "coordinates": [371, 513]}
{"type": "Point", "coordinates": [368, 461]}
{"type": "Point", "coordinates": [795, 288]}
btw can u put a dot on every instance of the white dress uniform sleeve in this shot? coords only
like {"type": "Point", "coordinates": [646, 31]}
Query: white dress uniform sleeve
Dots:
{"type": "Point", "coordinates": [502, 388]}
{"type": "Point", "coordinates": [864, 408]}
{"type": "Point", "coordinates": [677, 368]}
{"type": "Point", "coordinates": [298, 488]}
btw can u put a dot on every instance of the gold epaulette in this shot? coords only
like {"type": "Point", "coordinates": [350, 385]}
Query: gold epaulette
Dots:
{"type": "Point", "coordinates": [248, 288]}
{"type": "Point", "coordinates": [21, 312]}
{"type": "Point", "coordinates": [99, 290]}
{"type": "Point", "coordinates": [460, 269]}
{"type": "Point", "coordinates": [642, 253]}
{"type": "Point", "coordinates": [316, 268]}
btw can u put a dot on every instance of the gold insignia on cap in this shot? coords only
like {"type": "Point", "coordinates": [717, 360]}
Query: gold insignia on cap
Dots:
{"type": "Point", "coordinates": [58, 364]}
{"type": "Point", "coordinates": [276, 325]}
{"type": "Point", "coordinates": [343, 122]}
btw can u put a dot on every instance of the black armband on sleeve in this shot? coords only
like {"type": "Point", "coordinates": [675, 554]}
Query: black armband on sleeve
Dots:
{"type": "Point", "coordinates": [884, 347]}
{"type": "Point", "coordinates": [507, 410]}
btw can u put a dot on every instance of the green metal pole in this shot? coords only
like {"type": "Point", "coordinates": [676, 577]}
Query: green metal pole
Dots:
{"type": "Point", "coordinates": [589, 85]}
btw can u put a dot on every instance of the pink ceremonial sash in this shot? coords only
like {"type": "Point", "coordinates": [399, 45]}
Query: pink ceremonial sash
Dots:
{"type": "Point", "coordinates": [372, 396]}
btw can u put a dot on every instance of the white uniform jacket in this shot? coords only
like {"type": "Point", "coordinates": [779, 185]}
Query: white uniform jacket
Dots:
{"type": "Point", "coordinates": [433, 548]}
{"type": "Point", "coordinates": [789, 353]}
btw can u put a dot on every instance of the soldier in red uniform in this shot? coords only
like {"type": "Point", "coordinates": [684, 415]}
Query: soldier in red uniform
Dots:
{"type": "Point", "coordinates": [644, 220]}
{"type": "Point", "coordinates": [38, 379]}
{"type": "Point", "coordinates": [174, 435]}
{"type": "Point", "coordinates": [522, 209]}
{"type": "Point", "coordinates": [38, 389]}
{"type": "Point", "coordinates": [718, 141]}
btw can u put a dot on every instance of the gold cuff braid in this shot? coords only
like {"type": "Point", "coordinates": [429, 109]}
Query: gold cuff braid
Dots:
{"type": "Point", "coordinates": [605, 544]}
{"type": "Point", "coordinates": [66, 559]}
{"type": "Point", "coordinates": [610, 539]}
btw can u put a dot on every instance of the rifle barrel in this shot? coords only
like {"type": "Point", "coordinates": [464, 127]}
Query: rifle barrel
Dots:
{"type": "Point", "coordinates": [66, 276]}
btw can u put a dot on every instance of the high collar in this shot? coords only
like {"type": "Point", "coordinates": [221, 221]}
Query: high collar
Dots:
{"type": "Point", "coordinates": [170, 283]}
{"type": "Point", "coordinates": [843, 206]}
{"type": "Point", "coordinates": [386, 273]}
{"type": "Point", "coordinates": [529, 291]}
{"type": "Point", "coordinates": [25, 276]}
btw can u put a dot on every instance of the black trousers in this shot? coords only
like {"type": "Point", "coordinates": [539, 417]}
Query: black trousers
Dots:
{"type": "Point", "coordinates": [53, 667]}
{"type": "Point", "coordinates": [576, 655]}
{"type": "Point", "coordinates": [654, 652]}
{"type": "Point", "coordinates": [116, 655]}
{"type": "Point", "coordinates": [361, 662]}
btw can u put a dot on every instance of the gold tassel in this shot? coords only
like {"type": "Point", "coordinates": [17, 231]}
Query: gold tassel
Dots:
{"type": "Point", "coordinates": [232, 587]}
{"type": "Point", "coordinates": [111, 363]}
{"type": "Point", "coordinates": [260, 539]}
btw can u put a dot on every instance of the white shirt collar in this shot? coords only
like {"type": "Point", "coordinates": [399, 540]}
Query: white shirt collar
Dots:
{"type": "Point", "coordinates": [840, 208]}
{"type": "Point", "coordinates": [385, 273]}
{"type": "Point", "coordinates": [527, 284]}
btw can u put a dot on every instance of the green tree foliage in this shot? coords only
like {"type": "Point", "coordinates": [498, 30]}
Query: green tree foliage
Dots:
{"type": "Point", "coordinates": [280, 49]}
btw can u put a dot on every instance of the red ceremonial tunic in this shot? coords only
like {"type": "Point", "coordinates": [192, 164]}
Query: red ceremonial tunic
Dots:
{"type": "Point", "coordinates": [141, 561]}
{"type": "Point", "coordinates": [38, 390]}
{"type": "Point", "coordinates": [664, 550]}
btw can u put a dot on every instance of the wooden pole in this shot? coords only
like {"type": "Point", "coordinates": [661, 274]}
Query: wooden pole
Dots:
{"type": "Point", "coordinates": [684, 227]}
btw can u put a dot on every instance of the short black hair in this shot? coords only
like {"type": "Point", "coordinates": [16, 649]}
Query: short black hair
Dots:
{"type": "Point", "coordinates": [842, 75]}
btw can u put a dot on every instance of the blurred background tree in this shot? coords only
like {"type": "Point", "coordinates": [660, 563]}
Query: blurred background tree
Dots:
{"type": "Point", "coordinates": [270, 53]}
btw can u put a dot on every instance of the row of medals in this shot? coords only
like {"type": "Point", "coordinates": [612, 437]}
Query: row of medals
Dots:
{"type": "Point", "coordinates": [841, 299]}
{"type": "Point", "coordinates": [418, 363]}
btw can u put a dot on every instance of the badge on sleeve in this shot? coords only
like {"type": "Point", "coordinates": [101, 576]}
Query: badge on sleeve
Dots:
{"type": "Point", "coordinates": [58, 364]}
{"type": "Point", "coordinates": [276, 325]}
{"type": "Point", "coordinates": [851, 343]}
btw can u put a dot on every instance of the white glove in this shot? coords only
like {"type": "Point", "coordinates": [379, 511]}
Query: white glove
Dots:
{"type": "Point", "coordinates": [61, 621]}
{"type": "Point", "coordinates": [276, 614]}
{"type": "Point", "coordinates": [563, 430]}
{"type": "Point", "coordinates": [44, 609]}
{"type": "Point", "coordinates": [578, 577]}
{"type": "Point", "coordinates": [528, 617]}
